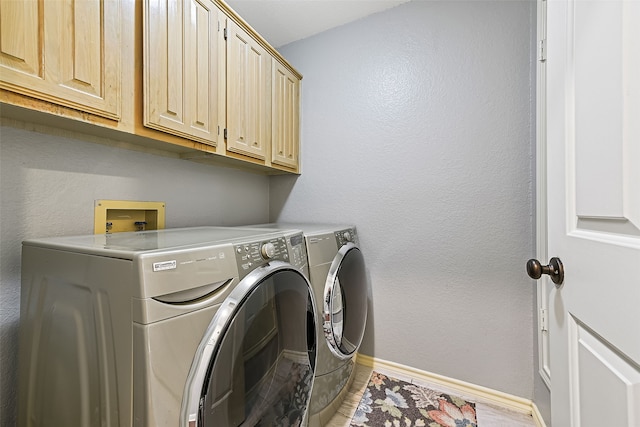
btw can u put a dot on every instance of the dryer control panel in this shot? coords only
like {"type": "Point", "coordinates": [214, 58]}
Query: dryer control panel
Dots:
{"type": "Point", "coordinates": [345, 236]}
{"type": "Point", "coordinates": [298, 252]}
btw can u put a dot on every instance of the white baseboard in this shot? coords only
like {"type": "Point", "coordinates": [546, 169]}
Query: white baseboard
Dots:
{"type": "Point", "coordinates": [504, 400]}
{"type": "Point", "coordinates": [537, 416]}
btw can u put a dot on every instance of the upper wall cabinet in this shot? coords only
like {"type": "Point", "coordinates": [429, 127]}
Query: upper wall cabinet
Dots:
{"type": "Point", "coordinates": [285, 112]}
{"type": "Point", "coordinates": [65, 52]}
{"type": "Point", "coordinates": [184, 68]}
{"type": "Point", "coordinates": [248, 94]}
{"type": "Point", "coordinates": [185, 78]}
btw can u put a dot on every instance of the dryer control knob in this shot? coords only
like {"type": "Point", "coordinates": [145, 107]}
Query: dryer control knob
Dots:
{"type": "Point", "coordinates": [268, 250]}
{"type": "Point", "coordinates": [347, 236]}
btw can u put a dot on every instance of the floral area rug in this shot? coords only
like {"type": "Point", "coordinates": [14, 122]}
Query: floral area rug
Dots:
{"type": "Point", "coordinates": [389, 402]}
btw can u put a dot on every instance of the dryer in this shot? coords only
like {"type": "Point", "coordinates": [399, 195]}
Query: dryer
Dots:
{"type": "Point", "coordinates": [206, 326]}
{"type": "Point", "coordinates": [338, 277]}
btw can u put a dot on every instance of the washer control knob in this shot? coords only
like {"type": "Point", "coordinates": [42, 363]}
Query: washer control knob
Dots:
{"type": "Point", "coordinates": [347, 236]}
{"type": "Point", "coordinates": [268, 250]}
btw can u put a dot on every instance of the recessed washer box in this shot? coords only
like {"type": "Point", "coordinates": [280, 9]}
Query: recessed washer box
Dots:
{"type": "Point", "coordinates": [115, 216]}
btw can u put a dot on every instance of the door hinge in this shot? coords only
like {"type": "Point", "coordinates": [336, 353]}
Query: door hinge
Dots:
{"type": "Point", "coordinates": [225, 133]}
{"type": "Point", "coordinates": [542, 50]}
{"type": "Point", "coordinates": [225, 33]}
{"type": "Point", "coordinates": [544, 326]}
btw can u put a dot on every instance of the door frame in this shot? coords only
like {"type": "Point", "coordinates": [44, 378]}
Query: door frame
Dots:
{"type": "Point", "coordinates": [543, 286]}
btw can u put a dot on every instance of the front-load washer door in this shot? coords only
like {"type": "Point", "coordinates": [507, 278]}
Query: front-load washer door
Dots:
{"type": "Point", "coordinates": [345, 302]}
{"type": "Point", "coordinates": [255, 365]}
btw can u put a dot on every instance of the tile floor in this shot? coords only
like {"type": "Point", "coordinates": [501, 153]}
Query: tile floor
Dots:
{"type": "Point", "coordinates": [488, 415]}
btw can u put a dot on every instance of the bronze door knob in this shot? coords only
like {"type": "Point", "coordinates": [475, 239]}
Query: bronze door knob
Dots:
{"type": "Point", "coordinates": [555, 270]}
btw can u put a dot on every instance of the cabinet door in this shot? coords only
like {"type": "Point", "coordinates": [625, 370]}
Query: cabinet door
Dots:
{"type": "Point", "coordinates": [285, 110]}
{"type": "Point", "coordinates": [182, 68]}
{"type": "Point", "coordinates": [248, 94]}
{"type": "Point", "coordinates": [64, 51]}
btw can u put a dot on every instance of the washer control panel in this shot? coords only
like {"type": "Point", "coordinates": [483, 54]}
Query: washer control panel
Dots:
{"type": "Point", "coordinates": [345, 236]}
{"type": "Point", "coordinates": [253, 254]}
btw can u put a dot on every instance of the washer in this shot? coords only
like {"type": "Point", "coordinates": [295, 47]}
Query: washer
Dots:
{"type": "Point", "coordinates": [338, 278]}
{"type": "Point", "coordinates": [206, 326]}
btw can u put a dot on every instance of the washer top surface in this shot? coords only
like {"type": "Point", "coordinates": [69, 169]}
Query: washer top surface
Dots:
{"type": "Point", "coordinates": [126, 245]}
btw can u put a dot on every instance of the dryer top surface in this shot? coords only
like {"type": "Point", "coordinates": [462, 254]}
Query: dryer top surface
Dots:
{"type": "Point", "coordinates": [309, 229]}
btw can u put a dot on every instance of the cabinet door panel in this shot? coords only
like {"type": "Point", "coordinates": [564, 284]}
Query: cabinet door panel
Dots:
{"type": "Point", "coordinates": [79, 62]}
{"type": "Point", "coordinates": [286, 117]}
{"type": "Point", "coordinates": [202, 53]}
{"type": "Point", "coordinates": [163, 65]}
{"type": "Point", "coordinates": [66, 52]}
{"type": "Point", "coordinates": [20, 39]}
{"type": "Point", "coordinates": [182, 68]}
{"type": "Point", "coordinates": [248, 94]}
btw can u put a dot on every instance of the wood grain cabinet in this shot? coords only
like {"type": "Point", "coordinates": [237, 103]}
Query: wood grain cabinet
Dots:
{"type": "Point", "coordinates": [65, 52]}
{"type": "Point", "coordinates": [248, 94]}
{"type": "Point", "coordinates": [183, 68]}
{"type": "Point", "coordinates": [185, 78]}
{"type": "Point", "coordinates": [209, 78]}
{"type": "Point", "coordinates": [285, 112]}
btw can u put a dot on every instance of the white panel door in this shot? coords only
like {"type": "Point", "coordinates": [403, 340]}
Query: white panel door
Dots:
{"type": "Point", "coordinates": [593, 176]}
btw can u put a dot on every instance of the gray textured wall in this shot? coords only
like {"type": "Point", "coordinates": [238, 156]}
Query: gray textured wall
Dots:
{"type": "Point", "coordinates": [48, 185]}
{"type": "Point", "coordinates": [417, 127]}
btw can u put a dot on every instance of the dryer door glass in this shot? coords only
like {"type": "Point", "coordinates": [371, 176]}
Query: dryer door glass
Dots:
{"type": "Point", "coordinates": [256, 363]}
{"type": "Point", "coordinates": [345, 302]}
